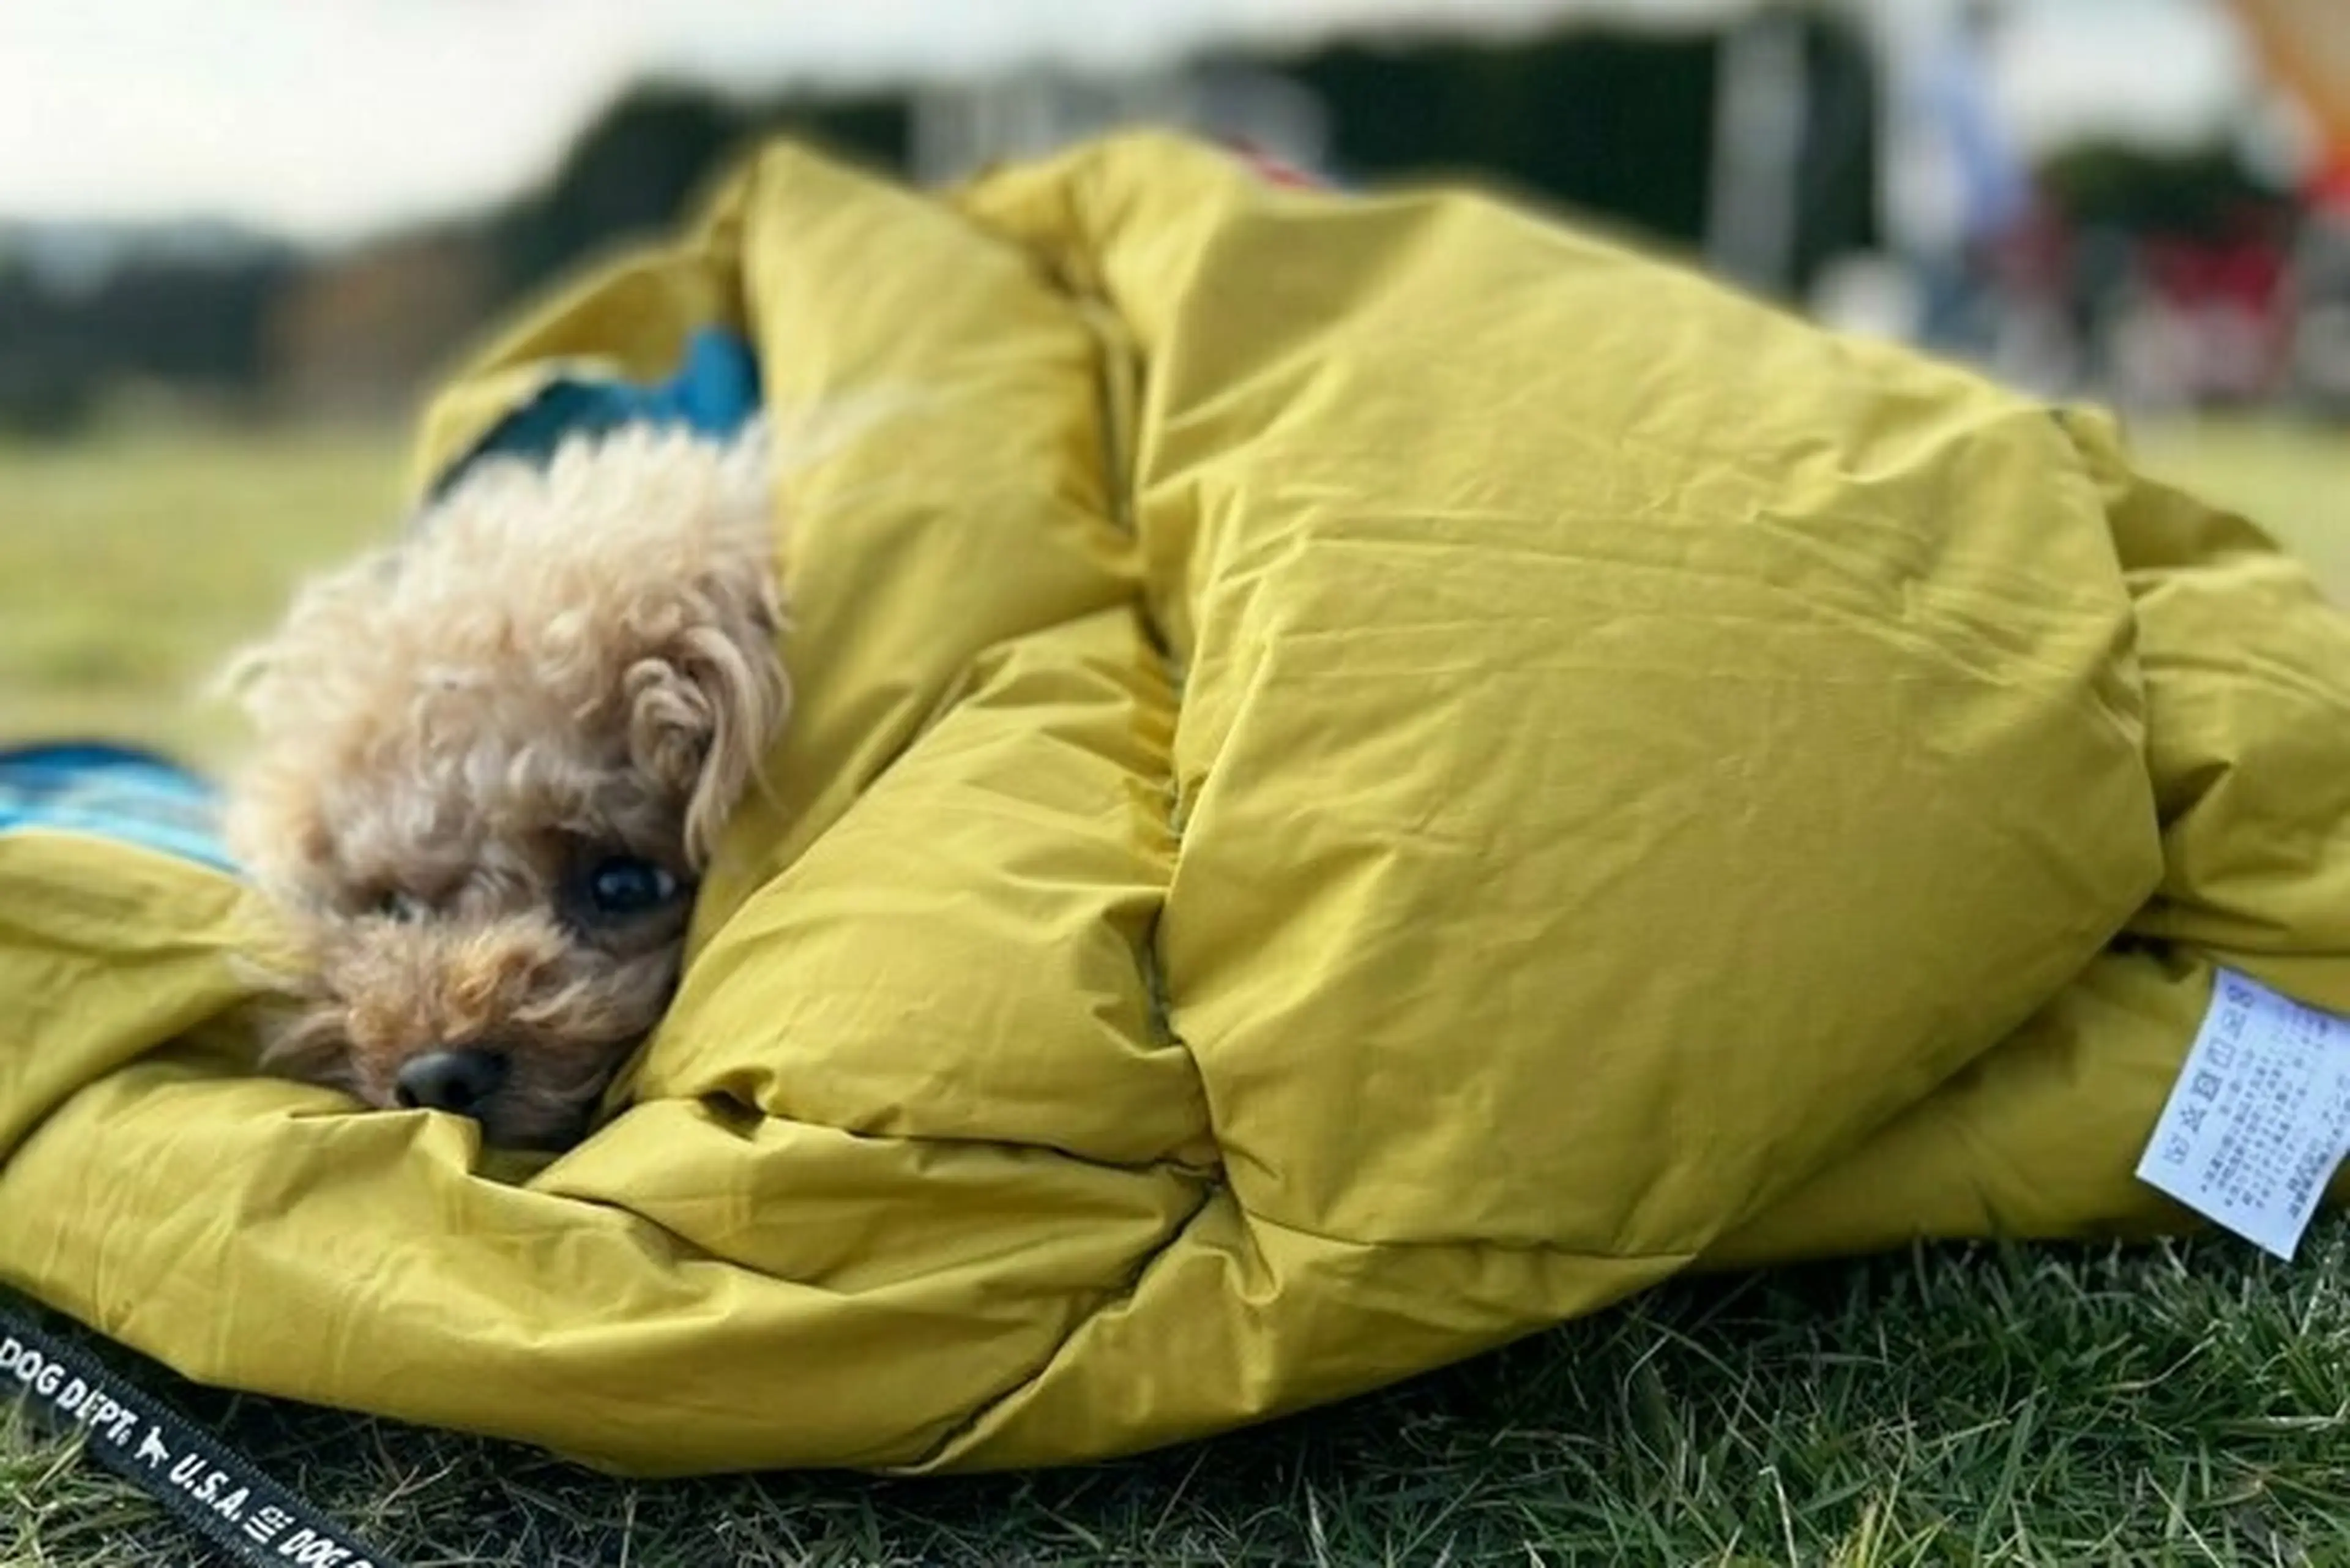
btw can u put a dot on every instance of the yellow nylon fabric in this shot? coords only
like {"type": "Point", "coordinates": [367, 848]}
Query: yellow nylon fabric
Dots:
{"type": "Point", "coordinates": [1372, 774]}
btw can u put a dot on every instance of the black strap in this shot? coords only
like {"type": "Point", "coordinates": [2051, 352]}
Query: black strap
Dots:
{"type": "Point", "coordinates": [201, 1482]}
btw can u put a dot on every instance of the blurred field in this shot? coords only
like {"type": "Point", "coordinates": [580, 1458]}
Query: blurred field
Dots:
{"type": "Point", "coordinates": [130, 565]}
{"type": "Point", "coordinates": [2291, 479]}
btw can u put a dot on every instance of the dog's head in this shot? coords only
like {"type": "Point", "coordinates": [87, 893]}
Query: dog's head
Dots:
{"type": "Point", "coordinates": [491, 762]}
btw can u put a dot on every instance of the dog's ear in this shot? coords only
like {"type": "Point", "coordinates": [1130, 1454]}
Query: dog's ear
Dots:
{"type": "Point", "coordinates": [704, 691]}
{"type": "Point", "coordinates": [702, 710]}
{"type": "Point", "coordinates": [274, 824]}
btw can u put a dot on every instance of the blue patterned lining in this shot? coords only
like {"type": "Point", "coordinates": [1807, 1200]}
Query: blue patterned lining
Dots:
{"type": "Point", "coordinates": [113, 792]}
{"type": "Point", "coordinates": [714, 392]}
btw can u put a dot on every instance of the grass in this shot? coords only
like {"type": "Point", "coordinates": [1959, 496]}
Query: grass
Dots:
{"type": "Point", "coordinates": [2174, 1404]}
{"type": "Point", "coordinates": [130, 566]}
{"type": "Point", "coordinates": [2293, 479]}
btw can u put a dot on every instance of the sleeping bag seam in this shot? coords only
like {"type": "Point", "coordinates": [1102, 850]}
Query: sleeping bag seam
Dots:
{"type": "Point", "coordinates": [1105, 1298]}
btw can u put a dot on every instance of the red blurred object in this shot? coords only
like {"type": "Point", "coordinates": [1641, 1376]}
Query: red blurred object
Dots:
{"type": "Point", "coordinates": [2329, 188]}
{"type": "Point", "coordinates": [1276, 170]}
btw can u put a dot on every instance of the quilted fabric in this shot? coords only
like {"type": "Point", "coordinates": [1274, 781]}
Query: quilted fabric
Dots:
{"type": "Point", "coordinates": [1373, 775]}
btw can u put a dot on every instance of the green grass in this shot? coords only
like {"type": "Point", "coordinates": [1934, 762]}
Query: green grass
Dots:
{"type": "Point", "coordinates": [133, 564]}
{"type": "Point", "coordinates": [2173, 1404]}
{"type": "Point", "coordinates": [2166, 1404]}
{"type": "Point", "coordinates": [2293, 479]}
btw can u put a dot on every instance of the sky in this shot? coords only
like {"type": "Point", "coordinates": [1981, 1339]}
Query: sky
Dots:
{"type": "Point", "coordinates": [326, 119]}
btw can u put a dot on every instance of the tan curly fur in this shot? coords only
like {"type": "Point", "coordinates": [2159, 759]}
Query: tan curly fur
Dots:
{"type": "Point", "coordinates": [555, 666]}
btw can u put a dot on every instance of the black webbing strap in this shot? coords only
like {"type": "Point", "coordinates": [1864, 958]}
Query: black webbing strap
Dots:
{"type": "Point", "coordinates": [201, 1482]}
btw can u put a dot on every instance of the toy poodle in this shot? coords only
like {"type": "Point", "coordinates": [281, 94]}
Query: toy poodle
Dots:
{"type": "Point", "coordinates": [491, 760]}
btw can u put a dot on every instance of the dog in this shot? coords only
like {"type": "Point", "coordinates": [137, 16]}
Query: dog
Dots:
{"type": "Point", "coordinates": [490, 760]}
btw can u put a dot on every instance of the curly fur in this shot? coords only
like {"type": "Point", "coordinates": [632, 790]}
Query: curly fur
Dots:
{"type": "Point", "coordinates": [555, 665]}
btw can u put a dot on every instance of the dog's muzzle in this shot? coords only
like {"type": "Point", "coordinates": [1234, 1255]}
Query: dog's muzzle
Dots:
{"type": "Point", "coordinates": [456, 1080]}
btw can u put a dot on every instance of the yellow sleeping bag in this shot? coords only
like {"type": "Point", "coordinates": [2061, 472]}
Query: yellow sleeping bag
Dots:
{"type": "Point", "coordinates": [1371, 774]}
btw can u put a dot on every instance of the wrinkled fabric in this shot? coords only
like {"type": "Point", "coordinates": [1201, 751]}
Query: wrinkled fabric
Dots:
{"type": "Point", "coordinates": [1371, 774]}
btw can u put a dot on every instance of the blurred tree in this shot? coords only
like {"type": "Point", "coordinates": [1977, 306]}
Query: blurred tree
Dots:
{"type": "Point", "coordinates": [357, 334]}
{"type": "Point", "coordinates": [1837, 211]}
{"type": "Point", "coordinates": [1617, 124]}
{"type": "Point", "coordinates": [638, 165]}
{"type": "Point", "coordinates": [2141, 192]}
{"type": "Point", "coordinates": [153, 316]}
{"type": "Point", "coordinates": [630, 169]}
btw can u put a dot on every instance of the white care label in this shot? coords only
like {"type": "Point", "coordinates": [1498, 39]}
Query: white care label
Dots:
{"type": "Point", "coordinates": [2259, 1115]}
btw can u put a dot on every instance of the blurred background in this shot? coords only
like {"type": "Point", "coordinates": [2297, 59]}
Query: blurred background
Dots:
{"type": "Point", "coordinates": [235, 242]}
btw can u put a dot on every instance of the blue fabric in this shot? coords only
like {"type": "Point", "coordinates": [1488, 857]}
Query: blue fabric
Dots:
{"type": "Point", "coordinates": [112, 791]}
{"type": "Point", "coordinates": [713, 392]}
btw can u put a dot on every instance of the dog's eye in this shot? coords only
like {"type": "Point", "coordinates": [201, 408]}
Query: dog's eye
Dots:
{"type": "Point", "coordinates": [391, 904]}
{"type": "Point", "coordinates": [622, 884]}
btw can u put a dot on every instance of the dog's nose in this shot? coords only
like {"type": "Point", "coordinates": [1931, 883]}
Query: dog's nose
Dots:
{"type": "Point", "coordinates": [455, 1080]}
